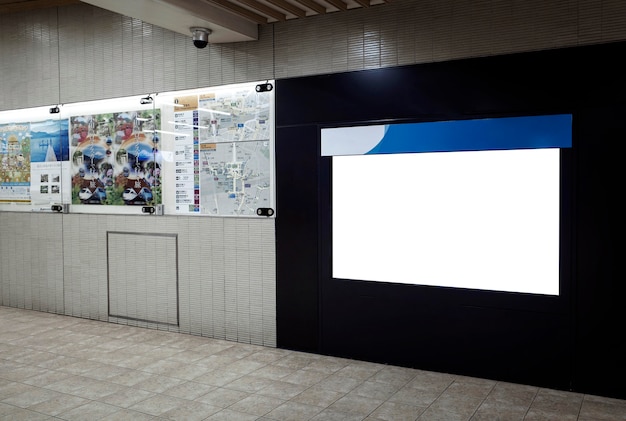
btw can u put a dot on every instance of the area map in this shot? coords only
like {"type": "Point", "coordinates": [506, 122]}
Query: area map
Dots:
{"type": "Point", "coordinates": [234, 132]}
{"type": "Point", "coordinates": [235, 177]}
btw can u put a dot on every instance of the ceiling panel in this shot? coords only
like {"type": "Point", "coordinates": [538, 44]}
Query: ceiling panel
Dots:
{"type": "Point", "coordinates": [11, 6]}
{"type": "Point", "coordinates": [227, 20]}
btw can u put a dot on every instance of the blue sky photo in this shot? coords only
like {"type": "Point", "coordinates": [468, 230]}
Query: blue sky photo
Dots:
{"type": "Point", "coordinates": [50, 132]}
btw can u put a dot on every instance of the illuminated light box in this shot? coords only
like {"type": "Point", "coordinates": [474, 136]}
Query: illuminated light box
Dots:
{"type": "Point", "coordinates": [466, 204]}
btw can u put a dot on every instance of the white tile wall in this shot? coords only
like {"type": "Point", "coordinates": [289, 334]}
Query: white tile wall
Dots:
{"type": "Point", "coordinates": [409, 32]}
{"type": "Point", "coordinates": [81, 52]}
{"type": "Point", "coordinates": [57, 263]}
{"type": "Point", "coordinates": [31, 256]}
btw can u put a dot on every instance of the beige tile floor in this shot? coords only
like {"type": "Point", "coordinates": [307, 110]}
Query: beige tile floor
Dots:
{"type": "Point", "coordinates": [55, 367]}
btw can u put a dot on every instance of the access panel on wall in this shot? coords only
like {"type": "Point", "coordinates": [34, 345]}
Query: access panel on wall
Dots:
{"type": "Point", "coordinates": [201, 152]}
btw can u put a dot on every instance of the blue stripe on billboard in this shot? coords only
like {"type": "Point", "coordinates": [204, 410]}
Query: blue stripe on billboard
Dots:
{"type": "Point", "coordinates": [531, 132]}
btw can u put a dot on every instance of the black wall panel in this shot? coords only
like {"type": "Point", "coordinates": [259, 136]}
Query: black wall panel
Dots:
{"type": "Point", "coordinates": [569, 342]}
{"type": "Point", "coordinates": [297, 276]}
{"type": "Point", "coordinates": [601, 281]}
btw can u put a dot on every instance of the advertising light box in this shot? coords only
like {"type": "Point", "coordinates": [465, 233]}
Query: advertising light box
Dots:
{"type": "Point", "coordinates": [465, 204]}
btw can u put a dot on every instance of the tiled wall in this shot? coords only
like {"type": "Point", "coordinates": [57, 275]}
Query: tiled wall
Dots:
{"type": "Point", "coordinates": [80, 52]}
{"type": "Point", "coordinates": [58, 263]}
{"type": "Point", "coordinates": [31, 261]}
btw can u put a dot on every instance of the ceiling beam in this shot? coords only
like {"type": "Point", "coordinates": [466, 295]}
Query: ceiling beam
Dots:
{"type": "Point", "coordinates": [339, 4]}
{"type": "Point", "coordinates": [28, 5]}
{"type": "Point", "coordinates": [313, 6]}
{"type": "Point", "coordinates": [241, 11]}
{"type": "Point", "coordinates": [260, 7]}
{"type": "Point", "coordinates": [301, 13]}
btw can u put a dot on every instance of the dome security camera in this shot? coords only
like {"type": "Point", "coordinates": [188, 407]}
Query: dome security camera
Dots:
{"type": "Point", "coordinates": [200, 36]}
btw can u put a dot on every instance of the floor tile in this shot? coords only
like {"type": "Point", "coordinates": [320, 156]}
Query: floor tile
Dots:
{"type": "Point", "coordinates": [191, 411]}
{"type": "Point", "coordinates": [257, 405]}
{"type": "Point", "coordinates": [126, 397]}
{"type": "Point", "coordinates": [393, 411]}
{"type": "Point", "coordinates": [55, 367]}
{"type": "Point", "coordinates": [294, 411]}
{"type": "Point", "coordinates": [600, 408]}
{"type": "Point", "coordinates": [158, 384]}
{"type": "Point", "coordinates": [355, 404]}
{"type": "Point", "coordinates": [158, 404]}
{"type": "Point", "coordinates": [88, 412]}
{"type": "Point", "coordinates": [218, 377]}
{"type": "Point", "coordinates": [318, 395]}
{"type": "Point", "coordinates": [282, 390]}
{"type": "Point", "coordinates": [30, 397]}
{"type": "Point", "coordinates": [230, 415]}
{"type": "Point", "coordinates": [128, 415]}
{"type": "Point", "coordinates": [189, 390]}
{"type": "Point", "coordinates": [59, 404]}
{"type": "Point", "coordinates": [222, 397]}
{"type": "Point", "coordinates": [329, 414]}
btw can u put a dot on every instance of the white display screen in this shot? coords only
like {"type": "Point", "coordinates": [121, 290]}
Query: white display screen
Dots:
{"type": "Point", "coordinates": [479, 219]}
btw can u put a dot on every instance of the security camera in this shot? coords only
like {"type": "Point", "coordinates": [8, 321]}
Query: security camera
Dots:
{"type": "Point", "coordinates": [200, 36]}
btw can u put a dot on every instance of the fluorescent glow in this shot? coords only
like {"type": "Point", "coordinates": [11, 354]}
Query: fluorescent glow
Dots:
{"type": "Point", "coordinates": [103, 106]}
{"type": "Point", "coordinates": [166, 132]}
{"type": "Point", "coordinates": [482, 220]}
{"type": "Point", "coordinates": [27, 114]}
{"type": "Point", "coordinates": [171, 104]}
{"type": "Point", "coordinates": [207, 110]}
{"type": "Point", "coordinates": [188, 125]}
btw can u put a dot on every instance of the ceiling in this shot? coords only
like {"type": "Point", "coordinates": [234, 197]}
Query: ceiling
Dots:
{"type": "Point", "coordinates": [228, 20]}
